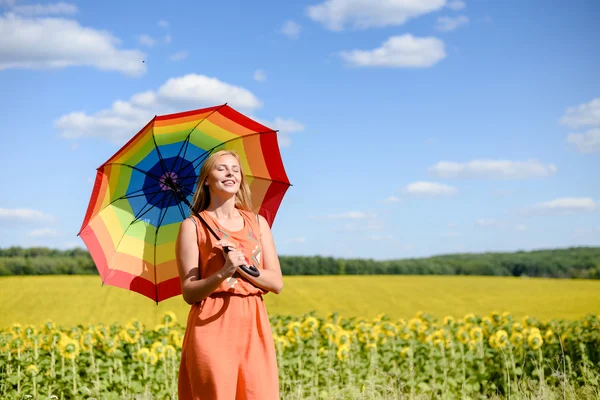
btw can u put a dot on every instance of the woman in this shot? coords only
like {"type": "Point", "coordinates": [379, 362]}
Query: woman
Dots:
{"type": "Point", "coordinates": [228, 350]}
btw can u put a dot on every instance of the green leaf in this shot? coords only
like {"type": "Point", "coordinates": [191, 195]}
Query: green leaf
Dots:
{"type": "Point", "coordinates": [424, 387]}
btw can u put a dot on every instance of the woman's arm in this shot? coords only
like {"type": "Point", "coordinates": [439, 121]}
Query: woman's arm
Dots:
{"type": "Point", "coordinates": [188, 256]}
{"type": "Point", "coordinates": [270, 277]}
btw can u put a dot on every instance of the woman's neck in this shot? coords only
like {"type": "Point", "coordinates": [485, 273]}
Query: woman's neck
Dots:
{"type": "Point", "coordinates": [222, 208]}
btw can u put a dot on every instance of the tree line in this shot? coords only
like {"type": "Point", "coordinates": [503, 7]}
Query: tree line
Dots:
{"type": "Point", "coordinates": [574, 262]}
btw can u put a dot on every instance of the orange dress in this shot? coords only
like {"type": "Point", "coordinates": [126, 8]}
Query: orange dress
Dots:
{"type": "Point", "coordinates": [228, 350]}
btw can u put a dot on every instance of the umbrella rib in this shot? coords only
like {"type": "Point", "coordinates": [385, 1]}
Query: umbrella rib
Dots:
{"type": "Point", "coordinates": [157, 178]}
{"type": "Point", "coordinates": [135, 219]}
{"type": "Point", "coordinates": [204, 156]}
{"type": "Point", "coordinates": [231, 140]}
{"type": "Point", "coordinates": [187, 138]}
{"type": "Point", "coordinates": [128, 196]}
{"type": "Point", "coordinates": [181, 210]}
{"type": "Point", "coordinates": [163, 211]}
{"type": "Point", "coordinates": [160, 158]}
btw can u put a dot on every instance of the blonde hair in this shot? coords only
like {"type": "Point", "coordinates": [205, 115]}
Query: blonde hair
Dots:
{"type": "Point", "coordinates": [201, 199]}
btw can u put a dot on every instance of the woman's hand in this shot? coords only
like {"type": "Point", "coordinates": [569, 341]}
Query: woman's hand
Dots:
{"type": "Point", "coordinates": [233, 259]}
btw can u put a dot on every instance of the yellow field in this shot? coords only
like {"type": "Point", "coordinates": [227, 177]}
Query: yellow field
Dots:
{"type": "Point", "coordinates": [71, 300]}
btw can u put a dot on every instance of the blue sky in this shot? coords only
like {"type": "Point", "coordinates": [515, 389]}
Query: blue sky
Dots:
{"type": "Point", "coordinates": [408, 128]}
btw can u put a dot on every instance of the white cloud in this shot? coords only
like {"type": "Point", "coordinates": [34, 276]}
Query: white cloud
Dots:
{"type": "Point", "coordinates": [163, 24]}
{"type": "Point", "coordinates": [260, 75]}
{"type": "Point", "coordinates": [285, 127]}
{"type": "Point", "coordinates": [363, 14]}
{"type": "Point", "coordinates": [43, 43]}
{"type": "Point", "coordinates": [392, 199]}
{"type": "Point", "coordinates": [24, 215]}
{"type": "Point", "coordinates": [587, 114]}
{"type": "Point", "coordinates": [44, 232]}
{"type": "Point", "coordinates": [448, 24]}
{"type": "Point", "coordinates": [429, 189]}
{"type": "Point", "coordinates": [45, 9]}
{"type": "Point", "coordinates": [521, 228]}
{"type": "Point", "coordinates": [126, 118]}
{"type": "Point", "coordinates": [487, 222]}
{"type": "Point", "coordinates": [456, 5]}
{"type": "Point", "coordinates": [179, 56]}
{"type": "Point", "coordinates": [493, 169]}
{"type": "Point", "coordinates": [146, 40]}
{"type": "Point", "coordinates": [399, 51]}
{"type": "Point", "coordinates": [563, 205]}
{"type": "Point", "coordinates": [588, 142]}
{"type": "Point", "coordinates": [291, 29]}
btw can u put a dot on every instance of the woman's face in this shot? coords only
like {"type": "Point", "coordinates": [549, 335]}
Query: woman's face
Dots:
{"type": "Point", "coordinates": [225, 176]}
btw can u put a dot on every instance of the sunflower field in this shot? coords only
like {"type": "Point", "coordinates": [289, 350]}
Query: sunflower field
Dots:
{"type": "Point", "coordinates": [490, 356]}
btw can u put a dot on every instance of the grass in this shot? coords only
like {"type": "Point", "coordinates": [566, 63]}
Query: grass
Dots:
{"type": "Point", "coordinates": [72, 300]}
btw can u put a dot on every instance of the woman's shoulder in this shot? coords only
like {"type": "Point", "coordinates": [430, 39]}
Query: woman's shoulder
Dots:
{"type": "Point", "coordinates": [252, 216]}
{"type": "Point", "coordinates": [191, 225]}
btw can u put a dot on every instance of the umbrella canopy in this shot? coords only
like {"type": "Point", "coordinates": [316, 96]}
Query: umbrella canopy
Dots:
{"type": "Point", "coordinates": [133, 218]}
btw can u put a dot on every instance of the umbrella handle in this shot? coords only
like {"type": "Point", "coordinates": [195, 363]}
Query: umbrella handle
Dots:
{"type": "Point", "coordinates": [250, 270]}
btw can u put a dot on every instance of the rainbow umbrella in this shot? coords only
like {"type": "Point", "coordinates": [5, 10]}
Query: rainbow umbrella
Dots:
{"type": "Point", "coordinates": [143, 193]}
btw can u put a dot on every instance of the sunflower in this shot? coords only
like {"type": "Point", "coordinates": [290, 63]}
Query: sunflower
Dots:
{"type": "Point", "coordinates": [406, 334]}
{"type": "Point", "coordinates": [48, 326]}
{"type": "Point", "coordinates": [405, 352]}
{"type": "Point", "coordinates": [158, 348]}
{"type": "Point", "coordinates": [496, 317]}
{"type": "Point", "coordinates": [5, 342]}
{"type": "Point", "coordinates": [343, 352]}
{"type": "Point", "coordinates": [501, 339]}
{"type": "Point", "coordinates": [131, 334]}
{"type": "Point", "coordinates": [17, 345]}
{"type": "Point", "coordinates": [17, 329]}
{"type": "Point", "coordinates": [32, 370]}
{"type": "Point", "coordinates": [309, 327]}
{"type": "Point", "coordinates": [535, 340]}
{"type": "Point", "coordinates": [463, 336]}
{"type": "Point", "coordinates": [517, 327]}
{"type": "Point", "coordinates": [470, 318]}
{"type": "Point", "coordinates": [176, 338]}
{"type": "Point", "coordinates": [516, 338]}
{"type": "Point", "coordinates": [389, 329]}
{"type": "Point", "coordinates": [329, 331]}
{"type": "Point", "coordinates": [111, 344]}
{"type": "Point", "coordinates": [549, 336]}
{"type": "Point", "coordinates": [170, 352]}
{"type": "Point", "coordinates": [414, 324]}
{"type": "Point", "coordinates": [343, 338]}
{"type": "Point", "coordinates": [281, 342]}
{"type": "Point", "coordinates": [68, 348]}
{"type": "Point", "coordinates": [169, 318]}
{"type": "Point", "coordinates": [143, 355]}
{"type": "Point", "coordinates": [476, 333]}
